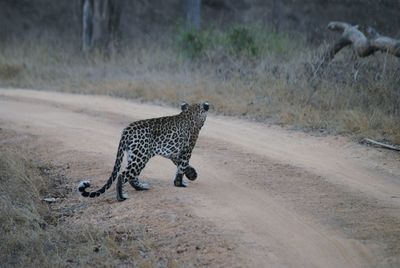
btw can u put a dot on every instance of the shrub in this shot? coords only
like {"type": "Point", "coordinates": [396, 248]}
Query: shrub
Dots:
{"type": "Point", "coordinates": [242, 41]}
{"type": "Point", "coordinates": [193, 43]}
{"type": "Point", "coordinates": [8, 71]}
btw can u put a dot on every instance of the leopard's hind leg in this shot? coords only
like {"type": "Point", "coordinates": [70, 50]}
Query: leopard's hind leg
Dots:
{"type": "Point", "coordinates": [136, 163]}
{"type": "Point", "coordinates": [121, 196]}
{"type": "Point", "coordinates": [124, 177]}
{"type": "Point", "coordinates": [137, 160]}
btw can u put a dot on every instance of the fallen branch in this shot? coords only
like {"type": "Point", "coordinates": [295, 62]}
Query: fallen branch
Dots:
{"type": "Point", "coordinates": [387, 146]}
{"type": "Point", "coordinates": [363, 45]}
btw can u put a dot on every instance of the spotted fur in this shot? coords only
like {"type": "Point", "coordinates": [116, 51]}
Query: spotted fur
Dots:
{"type": "Point", "coordinates": [172, 137]}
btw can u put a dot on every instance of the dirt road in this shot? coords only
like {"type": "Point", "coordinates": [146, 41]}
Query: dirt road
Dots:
{"type": "Point", "coordinates": [283, 198]}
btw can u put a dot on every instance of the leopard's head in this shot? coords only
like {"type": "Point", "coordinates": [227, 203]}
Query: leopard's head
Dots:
{"type": "Point", "coordinates": [197, 112]}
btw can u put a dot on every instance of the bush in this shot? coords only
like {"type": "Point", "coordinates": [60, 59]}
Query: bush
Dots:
{"type": "Point", "coordinates": [8, 71]}
{"type": "Point", "coordinates": [242, 41]}
{"type": "Point", "coordinates": [193, 43]}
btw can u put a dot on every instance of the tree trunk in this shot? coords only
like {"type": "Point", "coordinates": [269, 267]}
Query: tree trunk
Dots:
{"type": "Point", "coordinates": [100, 22]}
{"type": "Point", "coordinates": [193, 14]}
{"type": "Point", "coordinates": [87, 24]}
{"type": "Point", "coordinates": [276, 16]}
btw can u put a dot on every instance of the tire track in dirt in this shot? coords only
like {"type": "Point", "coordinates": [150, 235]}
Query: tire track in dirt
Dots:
{"type": "Point", "coordinates": [249, 174]}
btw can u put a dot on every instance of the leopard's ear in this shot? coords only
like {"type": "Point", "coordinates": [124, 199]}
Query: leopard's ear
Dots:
{"type": "Point", "coordinates": [206, 106]}
{"type": "Point", "coordinates": [184, 106]}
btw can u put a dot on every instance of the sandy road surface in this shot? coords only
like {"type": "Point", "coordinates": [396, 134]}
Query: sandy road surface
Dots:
{"type": "Point", "coordinates": [285, 198]}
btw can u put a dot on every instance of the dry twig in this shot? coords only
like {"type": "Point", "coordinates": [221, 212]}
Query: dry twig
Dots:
{"type": "Point", "coordinates": [387, 146]}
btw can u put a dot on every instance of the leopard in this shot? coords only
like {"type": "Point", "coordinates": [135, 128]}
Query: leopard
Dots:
{"type": "Point", "coordinates": [173, 137]}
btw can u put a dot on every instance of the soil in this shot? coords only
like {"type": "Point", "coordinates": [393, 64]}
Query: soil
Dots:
{"type": "Point", "coordinates": [266, 196]}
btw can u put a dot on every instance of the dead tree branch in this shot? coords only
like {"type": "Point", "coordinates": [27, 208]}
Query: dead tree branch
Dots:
{"type": "Point", "coordinates": [363, 44]}
{"type": "Point", "coordinates": [387, 146]}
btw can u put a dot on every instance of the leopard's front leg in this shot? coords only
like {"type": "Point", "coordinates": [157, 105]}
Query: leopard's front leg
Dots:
{"type": "Point", "coordinates": [190, 173]}
{"type": "Point", "coordinates": [183, 167]}
{"type": "Point", "coordinates": [178, 181]}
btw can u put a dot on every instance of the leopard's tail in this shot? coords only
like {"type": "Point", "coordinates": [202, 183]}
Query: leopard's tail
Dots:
{"type": "Point", "coordinates": [85, 184]}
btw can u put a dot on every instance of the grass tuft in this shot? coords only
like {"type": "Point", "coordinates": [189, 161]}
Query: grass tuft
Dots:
{"type": "Point", "coordinates": [242, 41]}
{"type": "Point", "coordinates": [9, 72]}
{"type": "Point", "coordinates": [32, 235]}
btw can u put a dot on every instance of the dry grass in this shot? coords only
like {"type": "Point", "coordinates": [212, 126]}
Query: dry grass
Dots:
{"type": "Point", "coordinates": [352, 96]}
{"type": "Point", "coordinates": [32, 234]}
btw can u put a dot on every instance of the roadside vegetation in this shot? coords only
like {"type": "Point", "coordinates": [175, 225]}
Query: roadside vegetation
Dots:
{"type": "Point", "coordinates": [243, 71]}
{"type": "Point", "coordinates": [33, 232]}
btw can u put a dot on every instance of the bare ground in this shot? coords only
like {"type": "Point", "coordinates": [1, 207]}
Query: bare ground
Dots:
{"type": "Point", "coordinates": [265, 197]}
